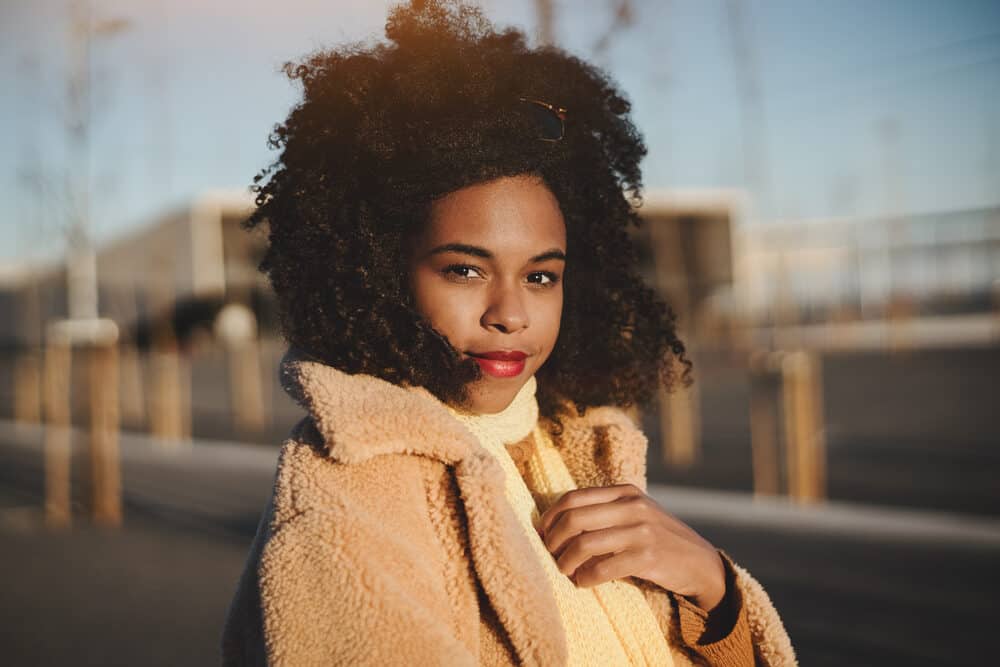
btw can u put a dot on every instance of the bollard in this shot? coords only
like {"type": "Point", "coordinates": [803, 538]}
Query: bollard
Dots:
{"type": "Point", "coordinates": [236, 327]}
{"type": "Point", "coordinates": [764, 434]}
{"type": "Point", "coordinates": [169, 409]}
{"type": "Point", "coordinates": [98, 342]}
{"type": "Point", "coordinates": [57, 444]}
{"type": "Point", "coordinates": [132, 404]}
{"type": "Point", "coordinates": [786, 416]}
{"type": "Point", "coordinates": [679, 426]}
{"type": "Point", "coordinates": [898, 324]}
{"type": "Point", "coordinates": [247, 395]}
{"type": "Point", "coordinates": [802, 405]}
{"type": "Point", "coordinates": [28, 388]}
{"type": "Point", "coordinates": [105, 472]}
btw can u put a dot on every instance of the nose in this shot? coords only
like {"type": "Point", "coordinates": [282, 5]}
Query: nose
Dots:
{"type": "Point", "coordinates": [505, 312]}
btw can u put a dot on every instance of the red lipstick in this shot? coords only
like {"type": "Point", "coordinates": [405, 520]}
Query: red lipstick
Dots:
{"type": "Point", "coordinates": [501, 364]}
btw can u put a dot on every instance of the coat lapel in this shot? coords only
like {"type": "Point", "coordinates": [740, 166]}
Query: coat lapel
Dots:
{"type": "Point", "coordinates": [511, 576]}
{"type": "Point", "coordinates": [603, 448]}
{"type": "Point", "coordinates": [361, 416]}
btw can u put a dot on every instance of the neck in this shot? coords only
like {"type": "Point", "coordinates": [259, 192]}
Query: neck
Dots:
{"type": "Point", "coordinates": [510, 424]}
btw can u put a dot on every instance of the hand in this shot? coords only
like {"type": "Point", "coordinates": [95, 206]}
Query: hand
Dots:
{"type": "Point", "coordinates": [604, 533]}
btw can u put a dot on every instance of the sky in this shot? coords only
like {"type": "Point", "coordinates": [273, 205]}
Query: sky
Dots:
{"type": "Point", "coordinates": [821, 109]}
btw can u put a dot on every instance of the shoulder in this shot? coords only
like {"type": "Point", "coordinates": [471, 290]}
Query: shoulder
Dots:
{"type": "Point", "coordinates": [352, 551]}
{"type": "Point", "coordinates": [376, 516]}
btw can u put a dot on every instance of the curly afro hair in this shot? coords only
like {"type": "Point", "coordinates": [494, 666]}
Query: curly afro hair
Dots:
{"type": "Point", "coordinates": [382, 131]}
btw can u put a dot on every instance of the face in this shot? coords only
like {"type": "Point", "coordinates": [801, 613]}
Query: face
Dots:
{"type": "Point", "coordinates": [487, 271]}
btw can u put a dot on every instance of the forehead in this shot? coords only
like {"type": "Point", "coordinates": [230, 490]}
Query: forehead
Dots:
{"type": "Point", "coordinates": [509, 215]}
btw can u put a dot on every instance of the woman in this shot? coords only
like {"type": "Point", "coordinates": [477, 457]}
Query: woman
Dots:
{"type": "Point", "coordinates": [447, 240]}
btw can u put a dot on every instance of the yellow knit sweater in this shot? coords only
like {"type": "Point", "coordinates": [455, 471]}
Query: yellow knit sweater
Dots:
{"type": "Point", "coordinates": [609, 624]}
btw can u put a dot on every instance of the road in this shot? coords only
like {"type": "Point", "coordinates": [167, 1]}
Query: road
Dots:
{"type": "Point", "coordinates": [855, 584]}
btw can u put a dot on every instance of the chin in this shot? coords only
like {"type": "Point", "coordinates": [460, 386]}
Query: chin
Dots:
{"type": "Point", "coordinates": [495, 402]}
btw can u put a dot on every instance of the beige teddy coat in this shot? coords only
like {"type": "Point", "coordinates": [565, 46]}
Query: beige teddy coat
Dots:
{"type": "Point", "coordinates": [388, 540]}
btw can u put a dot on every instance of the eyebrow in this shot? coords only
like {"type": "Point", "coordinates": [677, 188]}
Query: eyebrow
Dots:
{"type": "Point", "coordinates": [476, 251]}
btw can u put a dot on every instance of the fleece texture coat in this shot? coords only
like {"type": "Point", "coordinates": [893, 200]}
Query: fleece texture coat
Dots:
{"type": "Point", "coordinates": [388, 540]}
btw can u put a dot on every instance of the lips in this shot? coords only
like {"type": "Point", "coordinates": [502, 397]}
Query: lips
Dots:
{"type": "Point", "coordinates": [500, 363]}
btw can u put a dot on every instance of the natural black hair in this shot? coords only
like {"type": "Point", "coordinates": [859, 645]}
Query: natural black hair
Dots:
{"type": "Point", "coordinates": [385, 129]}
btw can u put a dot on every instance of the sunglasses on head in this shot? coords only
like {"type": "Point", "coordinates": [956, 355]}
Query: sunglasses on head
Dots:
{"type": "Point", "coordinates": [550, 118]}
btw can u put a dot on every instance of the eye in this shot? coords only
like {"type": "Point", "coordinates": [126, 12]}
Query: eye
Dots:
{"type": "Point", "coordinates": [461, 273]}
{"type": "Point", "coordinates": [543, 278]}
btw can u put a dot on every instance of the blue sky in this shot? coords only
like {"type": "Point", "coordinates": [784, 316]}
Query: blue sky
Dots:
{"type": "Point", "coordinates": [863, 106]}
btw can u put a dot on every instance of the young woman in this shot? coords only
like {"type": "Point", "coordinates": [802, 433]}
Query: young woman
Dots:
{"type": "Point", "coordinates": [447, 240]}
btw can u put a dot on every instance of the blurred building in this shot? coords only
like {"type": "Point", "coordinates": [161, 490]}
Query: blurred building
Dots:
{"type": "Point", "coordinates": [183, 266]}
{"type": "Point", "coordinates": [928, 265]}
{"type": "Point", "coordinates": [179, 269]}
{"type": "Point", "coordinates": [686, 251]}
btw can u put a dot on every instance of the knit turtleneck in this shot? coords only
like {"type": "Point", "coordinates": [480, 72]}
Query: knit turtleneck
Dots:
{"type": "Point", "coordinates": [609, 624]}
{"type": "Point", "coordinates": [513, 423]}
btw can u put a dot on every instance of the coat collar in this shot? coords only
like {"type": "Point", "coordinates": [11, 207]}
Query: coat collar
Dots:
{"type": "Point", "coordinates": [362, 416]}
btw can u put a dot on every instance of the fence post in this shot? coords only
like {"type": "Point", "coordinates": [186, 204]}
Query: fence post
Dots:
{"type": "Point", "coordinates": [764, 434]}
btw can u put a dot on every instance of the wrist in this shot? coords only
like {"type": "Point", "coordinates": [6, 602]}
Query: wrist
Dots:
{"type": "Point", "coordinates": [713, 590]}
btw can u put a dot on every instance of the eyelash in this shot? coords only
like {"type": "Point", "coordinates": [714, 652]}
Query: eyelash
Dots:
{"type": "Point", "coordinates": [451, 272]}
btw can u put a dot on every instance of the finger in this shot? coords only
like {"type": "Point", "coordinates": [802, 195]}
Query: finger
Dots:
{"type": "Point", "coordinates": [599, 570]}
{"type": "Point", "coordinates": [584, 547]}
{"type": "Point", "coordinates": [584, 497]}
{"type": "Point", "coordinates": [578, 520]}
{"type": "Point", "coordinates": [671, 522]}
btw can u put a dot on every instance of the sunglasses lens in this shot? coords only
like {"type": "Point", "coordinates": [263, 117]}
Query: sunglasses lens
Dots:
{"type": "Point", "coordinates": [549, 123]}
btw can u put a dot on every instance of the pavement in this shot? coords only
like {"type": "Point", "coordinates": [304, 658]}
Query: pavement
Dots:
{"type": "Point", "coordinates": [855, 584]}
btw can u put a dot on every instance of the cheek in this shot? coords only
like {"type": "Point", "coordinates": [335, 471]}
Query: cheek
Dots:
{"type": "Point", "coordinates": [448, 310]}
{"type": "Point", "coordinates": [426, 292]}
{"type": "Point", "coordinates": [452, 316]}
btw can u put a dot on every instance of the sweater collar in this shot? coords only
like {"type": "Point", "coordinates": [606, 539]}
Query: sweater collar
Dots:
{"type": "Point", "coordinates": [511, 424]}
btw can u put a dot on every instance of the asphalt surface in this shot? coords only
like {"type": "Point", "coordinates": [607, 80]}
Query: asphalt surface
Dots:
{"type": "Point", "coordinates": [855, 584]}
